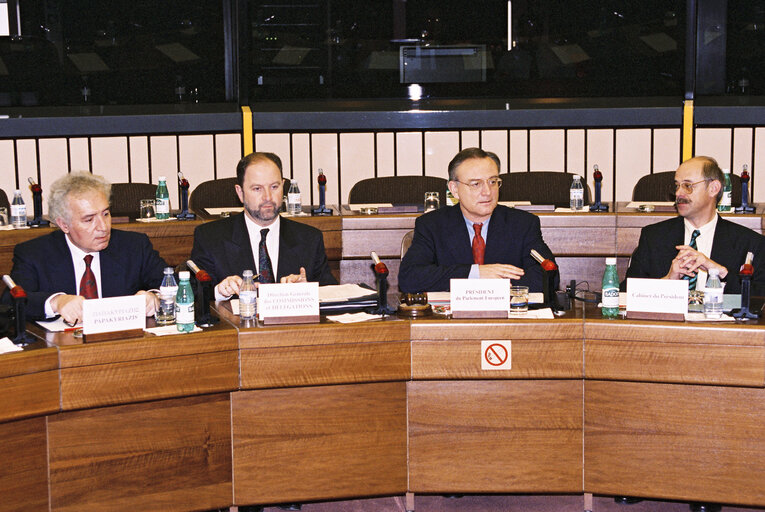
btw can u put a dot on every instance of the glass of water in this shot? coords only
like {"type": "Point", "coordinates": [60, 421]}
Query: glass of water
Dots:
{"type": "Point", "coordinates": [432, 201]}
{"type": "Point", "coordinates": [147, 208]}
{"type": "Point", "coordinates": [519, 300]}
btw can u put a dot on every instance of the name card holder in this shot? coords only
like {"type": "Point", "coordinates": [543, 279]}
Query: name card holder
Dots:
{"type": "Point", "coordinates": [657, 299]}
{"type": "Point", "coordinates": [479, 298]}
{"type": "Point", "coordinates": [288, 303]}
{"type": "Point", "coordinates": [113, 318]}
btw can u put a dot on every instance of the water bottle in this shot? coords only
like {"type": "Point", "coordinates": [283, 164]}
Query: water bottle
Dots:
{"type": "Point", "coordinates": [725, 200]}
{"type": "Point", "coordinates": [576, 194]}
{"type": "Point", "coordinates": [18, 211]}
{"type": "Point", "coordinates": [167, 292]}
{"type": "Point", "coordinates": [610, 297]}
{"type": "Point", "coordinates": [184, 302]}
{"type": "Point", "coordinates": [162, 200]}
{"type": "Point", "coordinates": [294, 202]}
{"type": "Point", "coordinates": [713, 295]}
{"type": "Point", "coordinates": [247, 297]}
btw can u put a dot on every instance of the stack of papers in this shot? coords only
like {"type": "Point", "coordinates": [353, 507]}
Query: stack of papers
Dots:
{"type": "Point", "coordinates": [345, 298]}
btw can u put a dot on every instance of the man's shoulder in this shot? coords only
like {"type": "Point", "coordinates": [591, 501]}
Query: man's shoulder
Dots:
{"type": "Point", "coordinates": [663, 226]}
{"type": "Point", "coordinates": [216, 227]}
{"type": "Point", "coordinates": [738, 230]}
{"type": "Point", "coordinates": [507, 214]}
{"type": "Point", "coordinates": [45, 241]}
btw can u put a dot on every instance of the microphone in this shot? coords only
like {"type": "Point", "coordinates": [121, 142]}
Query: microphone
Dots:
{"type": "Point", "coordinates": [201, 275]}
{"type": "Point", "coordinates": [19, 310]}
{"type": "Point", "coordinates": [747, 269]}
{"type": "Point", "coordinates": [547, 264]}
{"type": "Point", "coordinates": [183, 187]}
{"type": "Point", "coordinates": [379, 267]}
{"type": "Point", "coordinates": [381, 280]}
{"type": "Point", "coordinates": [16, 291]}
{"type": "Point", "coordinates": [37, 203]}
{"type": "Point", "coordinates": [548, 279]}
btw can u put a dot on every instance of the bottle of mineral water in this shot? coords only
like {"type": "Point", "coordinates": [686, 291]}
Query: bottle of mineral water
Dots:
{"type": "Point", "coordinates": [713, 295]}
{"type": "Point", "coordinates": [247, 297]}
{"type": "Point", "coordinates": [576, 194]}
{"type": "Point", "coordinates": [184, 302]}
{"type": "Point", "coordinates": [18, 211]}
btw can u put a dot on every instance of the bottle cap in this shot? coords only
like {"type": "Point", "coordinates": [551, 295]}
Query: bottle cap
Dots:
{"type": "Point", "coordinates": [169, 270]}
{"type": "Point", "coordinates": [714, 272]}
{"type": "Point", "coordinates": [184, 274]}
{"type": "Point", "coordinates": [726, 171]}
{"type": "Point", "coordinates": [247, 273]}
{"type": "Point", "coordinates": [17, 191]}
{"type": "Point", "coordinates": [162, 178]}
{"type": "Point", "coordinates": [610, 261]}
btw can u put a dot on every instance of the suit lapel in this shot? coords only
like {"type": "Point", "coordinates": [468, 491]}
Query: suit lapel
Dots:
{"type": "Point", "coordinates": [112, 268]}
{"type": "Point", "coordinates": [462, 250]}
{"type": "Point", "coordinates": [62, 257]}
{"type": "Point", "coordinates": [722, 245]}
{"type": "Point", "coordinates": [498, 236]}
{"type": "Point", "coordinates": [288, 244]}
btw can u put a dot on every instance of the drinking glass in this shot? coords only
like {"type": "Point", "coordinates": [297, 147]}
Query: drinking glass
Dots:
{"type": "Point", "coordinates": [432, 201]}
{"type": "Point", "coordinates": [519, 299]}
{"type": "Point", "coordinates": [3, 216]}
{"type": "Point", "coordinates": [147, 208]}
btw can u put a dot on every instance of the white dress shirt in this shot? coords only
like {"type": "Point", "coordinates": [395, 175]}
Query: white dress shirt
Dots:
{"type": "Point", "coordinates": [78, 259]}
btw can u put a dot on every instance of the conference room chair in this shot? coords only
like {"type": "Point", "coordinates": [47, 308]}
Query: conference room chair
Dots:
{"type": "Point", "coordinates": [218, 193]}
{"type": "Point", "coordinates": [396, 190]}
{"type": "Point", "coordinates": [540, 187]}
{"type": "Point", "coordinates": [126, 198]}
{"type": "Point", "coordinates": [659, 187]}
{"type": "Point", "coordinates": [406, 242]}
{"type": "Point", "coordinates": [4, 201]}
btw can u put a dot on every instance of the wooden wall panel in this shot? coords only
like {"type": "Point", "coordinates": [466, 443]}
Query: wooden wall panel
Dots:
{"type": "Point", "coordinates": [27, 161]}
{"type": "Point", "coordinates": [54, 162]}
{"type": "Point", "coordinates": [575, 152]}
{"type": "Point", "coordinates": [742, 150]}
{"type": "Point", "coordinates": [357, 162]}
{"type": "Point", "coordinates": [139, 159]}
{"type": "Point", "coordinates": [326, 156]}
{"type": "Point", "coordinates": [666, 149]}
{"type": "Point", "coordinates": [8, 167]}
{"type": "Point", "coordinates": [24, 466]}
{"type": "Point", "coordinates": [386, 159]}
{"type": "Point", "coordinates": [714, 142]}
{"type": "Point", "coordinates": [409, 153]}
{"type": "Point", "coordinates": [164, 157]}
{"type": "Point", "coordinates": [197, 163]}
{"type": "Point", "coordinates": [228, 152]}
{"type": "Point", "coordinates": [519, 160]}
{"type": "Point", "coordinates": [633, 160]}
{"type": "Point", "coordinates": [170, 455]}
{"type": "Point", "coordinates": [110, 158]}
{"type": "Point", "coordinates": [470, 139]}
{"type": "Point", "coordinates": [440, 148]}
{"type": "Point", "coordinates": [326, 442]}
{"type": "Point", "coordinates": [600, 151]}
{"type": "Point", "coordinates": [79, 154]}
{"type": "Point", "coordinates": [278, 143]}
{"type": "Point", "coordinates": [495, 141]}
{"type": "Point", "coordinates": [547, 150]}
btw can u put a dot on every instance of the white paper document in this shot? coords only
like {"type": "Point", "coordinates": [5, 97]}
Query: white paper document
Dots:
{"type": "Point", "coordinates": [6, 345]}
{"type": "Point", "coordinates": [340, 292]}
{"type": "Point", "coordinates": [352, 318]}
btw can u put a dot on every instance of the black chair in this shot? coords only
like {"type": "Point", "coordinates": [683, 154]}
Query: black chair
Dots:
{"type": "Point", "coordinates": [126, 198]}
{"type": "Point", "coordinates": [4, 201]}
{"type": "Point", "coordinates": [540, 187]}
{"type": "Point", "coordinates": [658, 187]}
{"type": "Point", "coordinates": [396, 190]}
{"type": "Point", "coordinates": [218, 193]}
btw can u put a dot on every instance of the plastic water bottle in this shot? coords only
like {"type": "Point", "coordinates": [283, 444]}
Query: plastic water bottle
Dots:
{"type": "Point", "coordinates": [184, 302]}
{"type": "Point", "coordinates": [247, 297]}
{"type": "Point", "coordinates": [725, 200]}
{"type": "Point", "coordinates": [610, 297]}
{"type": "Point", "coordinates": [294, 202]}
{"type": "Point", "coordinates": [167, 292]}
{"type": "Point", "coordinates": [713, 295]}
{"type": "Point", "coordinates": [18, 211]}
{"type": "Point", "coordinates": [576, 193]}
{"type": "Point", "coordinates": [162, 200]}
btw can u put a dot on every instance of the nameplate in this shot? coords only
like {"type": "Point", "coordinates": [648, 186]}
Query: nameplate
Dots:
{"type": "Point", "coordinates": [657, 299]}
{"type": "Point", "coordinates": [113, 315]}
{"type": "Point", "coordinates": [479, 298]}
{"type": "Point", "coordinates": [288, 303]}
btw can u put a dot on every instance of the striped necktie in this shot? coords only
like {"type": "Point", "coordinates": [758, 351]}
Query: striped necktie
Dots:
{"type": "Point", "coordinates": [264, 261]}
{"type": "Point", "coordinates": [692, 279]}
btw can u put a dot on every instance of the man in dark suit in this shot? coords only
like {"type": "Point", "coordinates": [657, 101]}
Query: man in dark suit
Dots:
{"type": "Point", "coordinates": [476, 239]}
{"type": "Point", "coordinates": [86, 258]}
{"type": "Point", "coordinates": [258, 239]}
{"type": "Point", "coordinates": [686, 247]}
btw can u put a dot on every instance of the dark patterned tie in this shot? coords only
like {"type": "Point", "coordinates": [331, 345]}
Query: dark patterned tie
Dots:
{"type": "Point", "coordinates": [88, 286]}
{"type": "Point", "coordinates": [479, 245]}
{"type": "Point", "coordinates": [692, 279]}
{"type": "Point", "coordinates": [264, 262]}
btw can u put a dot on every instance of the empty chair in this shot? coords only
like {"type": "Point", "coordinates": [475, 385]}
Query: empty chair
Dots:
{"type": "Point", "coordinates": [218, 193]}
{"type": "Point", "coordinates": [406, 242]}
{"type": "Point", "coordinates": [659, 187]}
{"type": "Point", "coordinates": [126, 198]}
{"type": "Point", "coordinates": [540, 187]}
{"type": "Point", "coordinates": [396, 189]}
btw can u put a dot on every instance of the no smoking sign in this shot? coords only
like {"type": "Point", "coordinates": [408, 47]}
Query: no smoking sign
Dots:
{"type": "Point", "coordinates": [495, 355]}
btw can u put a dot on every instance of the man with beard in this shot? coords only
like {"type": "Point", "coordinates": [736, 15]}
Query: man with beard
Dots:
{"type": "Point", "coordinates": [258, 239]}
{"type": "Point", "coordinates": [686, 247]}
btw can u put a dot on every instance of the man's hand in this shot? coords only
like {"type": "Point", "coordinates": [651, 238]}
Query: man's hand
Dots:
{"type": "Point", "coordinates": [689, 261]}
{"type": "Point", "coordinates": [68, 306]}
{"type": "Point", "coordinates": [152, 302]}
{"type": "Point", "coordinates": [295, 278]}
{"type": "Point", "coordinates": [500, 270]}
{"type": "Point", "coordinates": [229, 286]}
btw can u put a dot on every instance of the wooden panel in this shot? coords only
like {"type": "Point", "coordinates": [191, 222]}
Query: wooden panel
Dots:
{"type": "Point", "coordinates": [575, 153]}
{"type": "Point", "coordinates": [440, 148]}
{"type": "Point", "coordinates": [357, 161]}
{"type": "Point", "coordinates": [324, 334]}
{"type": "Point", "coordinates": [599, 240]}
{"type": "Point", "coordinates": [386, 157]}
{"type": "Point", "coordinates": [325, 364]}
{"type": "Point", "coordinates": [409, 153]}
{"type": "Point", "coordinates": [560, 329]}
{"type": "Point", "coordinates": [600, 152]}
{"type": "Point", "coordinates": [714, 142]}
{"type": "Point", "coordinates": [109, 156]}
{"type": "Point", "coordinates": [139, 159]}
{"type": "Point", "coordinates": [495, 436]}
{"type": "Point", "coordinates": [228, 151]}
{"type": "Point", "coordinates": [24, 465]}
{"type": "Point", "coordinates": [494, 141]}
{"type": "Point", "coordinates": [386, 242]}
{"type": "Point", "coordinates": [166, 455]}
{"type": "Point", "coordinates": [326, 156]}
{"type": "Point", "coordinates": [633, 160]}
{"type": "Point", "coordinates": [530, 359]}
{"type": "Point", "coordinates": [27, 165]}
{"type": "Point", "coordinates": [700, 443]}
{"type": "Point", "coordinates": [29, 383]}
{"type": "Point", "coordinates": [519, 154]}
{"type": "Point", "coordinates": [546, 150]}
{"type": "Point", "coordinates": [359, 271]}
{"type": "Point", "coordinates": [327, 442]}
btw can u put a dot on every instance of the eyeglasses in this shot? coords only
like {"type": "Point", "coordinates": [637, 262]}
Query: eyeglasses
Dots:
{"type": "Point", "coordinates": [476, 185]}
{"type": "Point", "coordinates": [687, 187]}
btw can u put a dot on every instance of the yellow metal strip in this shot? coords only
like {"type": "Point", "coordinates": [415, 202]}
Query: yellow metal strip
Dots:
{"type": "Point", "coordinates": [247, 138]}
{"type": "Point", "coordinates": [687, 130]}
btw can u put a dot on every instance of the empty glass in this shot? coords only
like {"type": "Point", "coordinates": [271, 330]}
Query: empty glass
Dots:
{"type": "Point", "coordinates": [519, 300]}
{"type": "Point", "coordinates": [147, 208]}
{"type": "Point", "coordinates": [432, 201]}
{"type": "Point", "coordinates": [3, 216]}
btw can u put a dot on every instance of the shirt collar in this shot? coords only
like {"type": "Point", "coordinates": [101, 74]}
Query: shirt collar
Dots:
{"type": "Point", "coordinates": [707, 229]}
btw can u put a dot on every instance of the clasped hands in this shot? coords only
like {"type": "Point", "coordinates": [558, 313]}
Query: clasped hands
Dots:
{"type": "Point", "coordinates": [689, 261]}
{"type": "Point", "coordinates": [231, 285]}
{"type": "Point", "coordinates": [70, 306]}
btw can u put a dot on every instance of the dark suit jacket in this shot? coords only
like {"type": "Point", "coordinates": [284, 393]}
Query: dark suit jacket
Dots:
{"type": "Point", "coordinates": [441, 248]}
{"type": "Point", "coordinates": [43, 266]}
{"type": "Point", "coordinates": [656, 250]}
{"type": "Point", "coordinates": [223, 249]}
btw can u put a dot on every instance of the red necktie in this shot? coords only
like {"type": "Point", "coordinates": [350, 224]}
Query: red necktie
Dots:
{"type": "Point", "coordinates": [88, 286]}
{"type": "Point", "coordinates": [479, 245]}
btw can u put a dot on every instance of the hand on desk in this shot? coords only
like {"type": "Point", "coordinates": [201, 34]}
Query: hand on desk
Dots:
{"type": "Point", "coordinates": [230, 286]}
{"type": "Point", "coordinates": [295, 278]}
{"type": "Point", "coordinates": [501, 271]}
{"type": "Point", "coordinates": [689, 261]}
{"type": "Point", "coordinates": [152, 302]}
{"type": "Point", "coordinates": [68, 306]}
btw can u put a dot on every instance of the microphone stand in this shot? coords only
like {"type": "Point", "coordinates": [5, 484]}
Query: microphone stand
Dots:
{"type": "Point", "coordinates": [381, 279]}
{"type": "Point", "coordinates": [19, 297]}
{"type": "Point", "coordinates": [37, 220]}
{"type": "Point", "coordinates": [183, 188]}
{"type": "Point", "coordinates": [745, 273]}
{"type": "Point", "coordinates": [322, 209]}
{"type": "Point", "coordinates": [549, 270]}
{"type": "Point", "coordinates": [597, 206]}
{"type": "Point", "coordinates": [745, 208]}
{"type": "Point", "coordinates": [205, 293]}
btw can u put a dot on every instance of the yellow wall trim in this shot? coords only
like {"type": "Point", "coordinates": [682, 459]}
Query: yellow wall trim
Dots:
{"type": "Point", "coordinates": [247, 138]}
{"type": "Point", "coordinates": [687, 130]}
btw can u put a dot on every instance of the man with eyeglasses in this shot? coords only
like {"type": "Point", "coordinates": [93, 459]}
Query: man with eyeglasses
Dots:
{"type": "Point", "coordinates": [686, 247]}
{"type": "Point", "coordinates": [477, 238]}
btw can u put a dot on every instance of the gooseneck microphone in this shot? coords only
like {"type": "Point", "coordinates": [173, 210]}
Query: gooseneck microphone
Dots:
{"type": "Point", "coordinates": [19, 308]}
